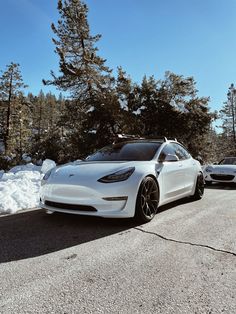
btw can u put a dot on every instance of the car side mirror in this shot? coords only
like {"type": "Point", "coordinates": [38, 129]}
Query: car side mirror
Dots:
{"type": "Point", "coordinates": [171, 158]}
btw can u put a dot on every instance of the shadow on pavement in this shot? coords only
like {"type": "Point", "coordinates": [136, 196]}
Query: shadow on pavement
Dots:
{"type": "Point", "coordinates": [34, 233]}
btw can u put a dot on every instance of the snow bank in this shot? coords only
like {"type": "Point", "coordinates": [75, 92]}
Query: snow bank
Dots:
{"type": "Point", "coordinates": [19, 188]}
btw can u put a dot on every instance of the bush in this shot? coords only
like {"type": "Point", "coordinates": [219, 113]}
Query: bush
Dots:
{"type": "Point", "coordinates": [6, 162]}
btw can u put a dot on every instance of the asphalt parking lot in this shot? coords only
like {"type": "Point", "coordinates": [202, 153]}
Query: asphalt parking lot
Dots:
{"type": "Point", "coordinates": [184, 261]}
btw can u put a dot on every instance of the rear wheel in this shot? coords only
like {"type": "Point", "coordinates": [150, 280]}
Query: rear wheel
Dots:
{"type": "Point", "coordinates": [147, 200]}
{"type": "Point", "coordinates": [199, 189]}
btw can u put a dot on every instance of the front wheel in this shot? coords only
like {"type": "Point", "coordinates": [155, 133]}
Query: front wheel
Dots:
{"type": "Point", "coordinates": [147, 200]}
{"type": "Point", "coordinates": [199, 189]}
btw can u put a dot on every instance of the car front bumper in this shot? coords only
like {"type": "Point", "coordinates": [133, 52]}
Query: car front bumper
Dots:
{"type": "Point", "coordinates": [220, 177]}
{"type": "Point", "coordinates": [104, 200]}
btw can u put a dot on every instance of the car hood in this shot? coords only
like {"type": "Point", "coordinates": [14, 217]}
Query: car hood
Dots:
{"type": "Point", "coordinates": [88, 170]}
{"type": "Point", "coordinates": [224, 168]}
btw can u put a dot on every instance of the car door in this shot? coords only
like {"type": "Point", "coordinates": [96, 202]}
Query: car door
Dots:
{"type": "Point", "coordinates": [172, 174]}
{"type": "Point", "coordinates": [188, 165]}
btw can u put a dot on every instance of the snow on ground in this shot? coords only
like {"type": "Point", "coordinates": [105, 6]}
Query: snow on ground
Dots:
{"type": "Point", "coordinates": [19, 188]}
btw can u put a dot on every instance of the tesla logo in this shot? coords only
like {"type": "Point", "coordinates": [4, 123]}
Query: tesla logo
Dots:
{"type": "Point", "coordinates": [71, 175]}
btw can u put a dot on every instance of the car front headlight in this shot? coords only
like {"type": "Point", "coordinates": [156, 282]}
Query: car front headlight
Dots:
{"type": "Point", "coordinates": [118, 176]}
{"type": "Point", "coordinates": [46, 176]}
{"type": "Point", "coordinates": [209, 169]}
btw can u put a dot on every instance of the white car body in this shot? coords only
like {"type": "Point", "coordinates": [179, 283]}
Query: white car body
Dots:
{"type": "Point", "coordinates": [224, 172]}
{"type": "Point", "coordinates": [75, 188]}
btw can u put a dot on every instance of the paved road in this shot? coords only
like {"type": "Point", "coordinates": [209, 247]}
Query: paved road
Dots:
{"type": "Point", "coordinates": [184, 261]}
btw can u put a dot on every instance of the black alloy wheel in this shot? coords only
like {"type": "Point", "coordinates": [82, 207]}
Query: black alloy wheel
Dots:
{"type": "Point", "coordinates": [199, 189]}
{"type": "Point", "coordinates": [147, 200]}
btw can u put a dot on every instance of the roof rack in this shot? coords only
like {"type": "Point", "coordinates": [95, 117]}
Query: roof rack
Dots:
{"type": "Point", "coordinates": [170, 139]}
{"type": "Point", "coordinates": [126, 137]}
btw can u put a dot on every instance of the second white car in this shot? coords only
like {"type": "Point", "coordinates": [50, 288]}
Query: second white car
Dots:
{"type": "Point", "coordinates": [223, 172]}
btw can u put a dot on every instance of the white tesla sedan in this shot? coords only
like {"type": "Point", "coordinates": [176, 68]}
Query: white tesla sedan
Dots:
{"type": "Point", "coordinates": [225, 171]}
{"type": "Point", "coordinates": [131, 178]}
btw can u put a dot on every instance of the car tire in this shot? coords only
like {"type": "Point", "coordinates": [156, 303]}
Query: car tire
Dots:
{"type": "Point", "coordinates": [199, 188]}
{"type": "Point", "coordinates": [147, 200]}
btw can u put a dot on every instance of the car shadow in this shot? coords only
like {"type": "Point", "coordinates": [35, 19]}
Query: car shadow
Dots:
{"type": "Point", "coordinates": [182, 201]}
{"type": "Point", "coordinates": [34, 233]}
{"type": "Point", "coordinates": [221, 186]}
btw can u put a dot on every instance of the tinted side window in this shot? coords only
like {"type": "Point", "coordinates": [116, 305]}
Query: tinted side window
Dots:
{"type": "Point", "coordinates": [181, 152]}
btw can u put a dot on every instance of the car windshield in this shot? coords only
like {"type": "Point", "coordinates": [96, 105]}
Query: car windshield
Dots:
{"type": "Point", "coordinates": [228, 161]}
{"type": "Point", "coordinates": [126, 151]}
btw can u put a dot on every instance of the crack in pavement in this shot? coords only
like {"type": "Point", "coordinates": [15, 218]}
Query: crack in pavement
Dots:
{"type": "Point", "coordinates": [186, 242]}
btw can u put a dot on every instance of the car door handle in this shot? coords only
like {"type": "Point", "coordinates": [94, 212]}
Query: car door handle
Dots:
{"type": "Point", "coordinates": [180, 165]}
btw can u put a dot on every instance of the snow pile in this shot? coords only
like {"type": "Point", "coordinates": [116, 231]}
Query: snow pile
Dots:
{"type": "Point", "coordinates": [47, 165]}
{"type": "Point", "coordinates": [19, 188]}
{"type": "Point", "coordinates": [28, 167]}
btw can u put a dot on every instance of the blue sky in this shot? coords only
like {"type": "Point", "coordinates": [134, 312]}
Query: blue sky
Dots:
{"type": "Point", "coordinates": [189, 37]}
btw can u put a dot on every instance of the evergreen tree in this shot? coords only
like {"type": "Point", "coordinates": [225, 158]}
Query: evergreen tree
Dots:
{"type": "Point", "coordinates": [3, 115]}
{"type": "Point", "coordinates": [52, 112]}
{"type": "Point", "coordinates": [171, 108]}
{"type": "Point", "coordinates": [157, 112]}
{"type": "Point", "coordinates": [11, 86]}
{"type": "Point", "coordinates": [39, 113]}
{"type": "Point", "coordinates": [228, 115]}
{"type": "Point", "coordinates": [215, 147]}
{"type": "Point", "coordinates": [45, 127]}
{"type": "Point", "coordinates": [19, 137]}
{"type": "Point", "coordinates": [128, 95]}
{"type": "Point", "coordinates": [83, 72]}
{"type": "Point", "coordinates": [90, 111]}
{"type": "Point", "coordinates": [227, 139]}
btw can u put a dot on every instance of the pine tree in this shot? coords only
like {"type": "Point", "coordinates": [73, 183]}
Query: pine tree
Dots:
{"type": "Point", "coordinates": [39, 113]}
{"type": "Point", "coordinates": [227, 138]}
{"type": "Point", "coordinates": [11, 86]}
{"type": "Point", "coordinates": [228, 115]}
{"type": "Point", "coordinates": [19, 138]}
{"type": "Point", "coordinates": [171, 108]}
{"type": "Point", "coordinates": [129, 97]}
{"type": "Point", "coordinates": [83, 74]}
{"type": "Point", "coordinates": [45, 127]}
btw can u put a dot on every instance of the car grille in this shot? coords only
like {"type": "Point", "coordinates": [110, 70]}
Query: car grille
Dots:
{"type": "Point", "coordinates": [71, 206]}
{"type": "Point", "coordinates": [222, 177]}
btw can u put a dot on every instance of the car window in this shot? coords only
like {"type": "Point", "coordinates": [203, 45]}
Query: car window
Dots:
{"type": "Point", "coordinates": [126, 151]}
{"type": "Point", "coordinates": [181, 152]}
{"type": "Point", "coordinates": [228, 161]}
